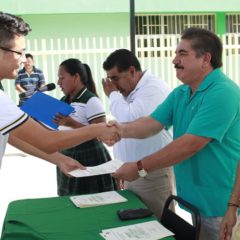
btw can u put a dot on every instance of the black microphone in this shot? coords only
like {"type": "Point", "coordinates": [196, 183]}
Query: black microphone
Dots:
{"type": "Point", "coordinates": [48, 87]}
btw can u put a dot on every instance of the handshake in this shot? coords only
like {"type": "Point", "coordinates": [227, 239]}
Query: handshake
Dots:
{"type": "Point", "coordinates": [110, 132]}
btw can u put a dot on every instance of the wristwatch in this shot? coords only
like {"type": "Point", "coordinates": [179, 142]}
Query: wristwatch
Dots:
{"type": "Point", "coordinates": [141, 171]}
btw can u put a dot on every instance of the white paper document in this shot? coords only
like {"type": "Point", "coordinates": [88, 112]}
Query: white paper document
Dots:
{"type": "Point", "coordinates": [151, 230]}
{"type": "Point", "coordinates": [105, 168]}
{"type": "Point", "coordinates": [97, 199]}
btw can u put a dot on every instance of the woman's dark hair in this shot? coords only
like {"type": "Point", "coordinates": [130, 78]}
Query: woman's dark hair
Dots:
{"type": "Point", "coordinates": [74, 66]}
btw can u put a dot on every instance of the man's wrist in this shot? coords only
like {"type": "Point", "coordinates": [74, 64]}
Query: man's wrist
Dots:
{"type": "Point", "coordinates": [232, 205]}
{"type": "Point", "coordinates": [141, 170]}
{"type": "Point", "coordinates": [235, 199]}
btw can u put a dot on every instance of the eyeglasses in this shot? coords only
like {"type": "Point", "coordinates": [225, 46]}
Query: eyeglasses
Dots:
{"type": "Point", "coordinates": [21, 54]}
{"type": "Point", "coordinates": [118, 76]}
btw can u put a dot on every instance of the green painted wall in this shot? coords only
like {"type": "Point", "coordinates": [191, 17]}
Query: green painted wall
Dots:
{"type": "Point", "coordinates": [187, 5]}
{"type": "Point", "coordinates": [106, 6]}
{"type": "Point", "coordinates": [78, 25]}
{"type": "Point", "coordinates": [221, 23]}
{"type": "Point", "coordinates": [63, 6]}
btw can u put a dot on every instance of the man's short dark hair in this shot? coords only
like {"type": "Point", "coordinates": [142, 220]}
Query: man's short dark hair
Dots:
{"type": "Point", "coordinates": [29, 55]}
{"type": "Point", "coordinates": [11, 25]}
{"type": "Point", "coordinates": [122, 59]}
{"type": "Point", "coordinates": [205, 41]}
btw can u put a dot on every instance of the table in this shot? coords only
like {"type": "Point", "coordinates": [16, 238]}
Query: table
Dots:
{"type": "Point", "coordinates": [57, 218]}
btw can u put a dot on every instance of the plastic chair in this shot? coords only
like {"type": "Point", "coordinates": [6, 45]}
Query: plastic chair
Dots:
{"type": "Point", "coordinates": [181, 228]}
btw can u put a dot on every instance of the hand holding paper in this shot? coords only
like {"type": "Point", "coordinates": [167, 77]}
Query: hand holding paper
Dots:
{"type": "Point", "coordinates": [67, 164]}
{"type": "Point", "coordinates": [105, 168]}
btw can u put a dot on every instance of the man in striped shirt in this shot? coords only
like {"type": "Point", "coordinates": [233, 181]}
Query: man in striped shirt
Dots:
{"type": "Point", "coordinates": [29, 78]}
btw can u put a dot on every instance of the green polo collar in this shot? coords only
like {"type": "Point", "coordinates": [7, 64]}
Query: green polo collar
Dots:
{"type": "Point", "coordinates": [205, 84]}
{"type": "Point", "coordinates": [208, 80]}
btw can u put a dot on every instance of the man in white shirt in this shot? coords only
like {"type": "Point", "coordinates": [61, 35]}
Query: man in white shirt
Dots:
{"type": "Point", "coordinates": [15, 126]}
{"type": "Point", "coordinates": [134, 94]}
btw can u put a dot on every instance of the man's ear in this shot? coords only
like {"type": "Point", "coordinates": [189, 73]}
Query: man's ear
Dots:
{"type": "Point", "coordinates": [207, 57]}
{"type": "Point", "coordinates": [132, 70]}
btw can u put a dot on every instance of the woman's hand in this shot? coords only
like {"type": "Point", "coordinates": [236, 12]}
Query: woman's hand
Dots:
{"type": "Point", "coordinates": [67, 121]}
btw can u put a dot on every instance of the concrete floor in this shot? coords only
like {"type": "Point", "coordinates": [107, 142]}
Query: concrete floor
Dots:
{"type": "Point", "coordinates": [23, 176]}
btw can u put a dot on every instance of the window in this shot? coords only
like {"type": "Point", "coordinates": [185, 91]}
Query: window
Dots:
{"type": "Point", "coordinates": [172, 24]}
{"type": "Point", "coordinates": [233, 34]}
{"type": "Point", "coordinates": [233, 23]}
{"type": "Point", "coordinates": [153, 31]}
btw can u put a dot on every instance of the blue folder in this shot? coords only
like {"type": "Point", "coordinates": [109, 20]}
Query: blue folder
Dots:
{"type": "Point", "coordinates": [43, 108]}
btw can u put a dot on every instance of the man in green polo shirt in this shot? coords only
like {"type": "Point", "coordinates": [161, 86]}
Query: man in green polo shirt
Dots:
{"type": "Point", "coordinates": [205, 115]}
